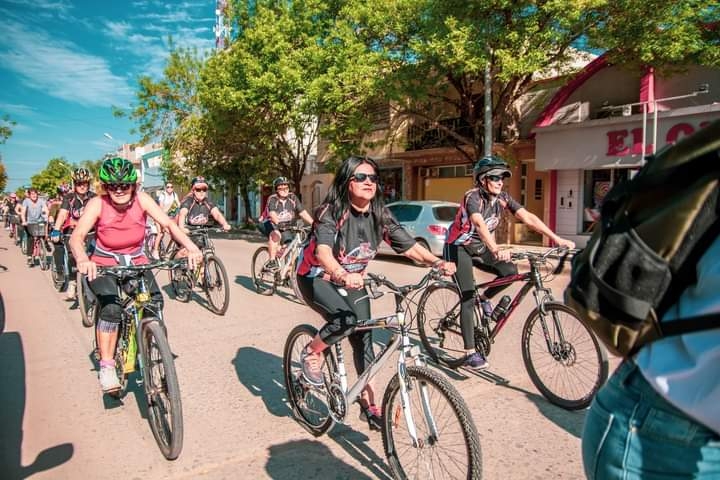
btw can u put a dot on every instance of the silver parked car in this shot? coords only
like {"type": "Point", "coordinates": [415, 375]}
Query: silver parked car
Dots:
{"type": "Point", "coordinates": [426, 220]}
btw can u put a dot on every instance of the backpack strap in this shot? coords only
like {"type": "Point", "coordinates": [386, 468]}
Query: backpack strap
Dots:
{"type": "Point", "coordinates": [690, 324]}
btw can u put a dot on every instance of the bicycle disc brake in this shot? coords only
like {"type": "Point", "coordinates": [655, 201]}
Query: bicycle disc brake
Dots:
{"type": "Point", "coordinates": [337, 402]}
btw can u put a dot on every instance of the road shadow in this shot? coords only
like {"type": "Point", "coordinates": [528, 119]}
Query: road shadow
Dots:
{"type": "Point", "coordinates": [262, 374]}
{"type": "Point", "coordinates": [248, 284]}
{"type": "Point", "coordinates": [308, 459]}
{"type": "Point", "coordinates": [196, 295]}
{"type": "Point", "coordinates": [12, 411]}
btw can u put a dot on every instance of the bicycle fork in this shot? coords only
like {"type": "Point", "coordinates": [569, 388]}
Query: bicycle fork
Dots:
{"type": "Point", "coordinates": [410, 351]}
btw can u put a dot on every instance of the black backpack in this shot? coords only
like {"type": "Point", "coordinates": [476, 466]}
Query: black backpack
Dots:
{"type": "Point", "coordinates": [653, 229]}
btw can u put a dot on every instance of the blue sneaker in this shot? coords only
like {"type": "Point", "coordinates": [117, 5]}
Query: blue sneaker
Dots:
{"type": "Point", "coordinates": [476, 362]}
{"type": "Point", "coordinates": [487, 308]}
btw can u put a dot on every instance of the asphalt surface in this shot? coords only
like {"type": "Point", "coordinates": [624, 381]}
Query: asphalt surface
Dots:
{"type": "Point", "coordinates": [56, 424]}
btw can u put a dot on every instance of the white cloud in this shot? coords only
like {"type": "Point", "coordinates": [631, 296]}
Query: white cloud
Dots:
{"type": "Point", "coordinates": [14, 109]}
{"type": "Point", "coordinates": [60, 69]}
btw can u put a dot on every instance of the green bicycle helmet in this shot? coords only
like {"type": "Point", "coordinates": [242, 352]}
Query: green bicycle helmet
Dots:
{"type": "Point", "coordinates": [491, 165]}
{"type": "Point", "coordinates": [117, 170]}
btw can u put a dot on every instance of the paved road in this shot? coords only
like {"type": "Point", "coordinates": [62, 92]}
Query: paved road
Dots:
{"type": "Point", "coordinates": [57, 425]}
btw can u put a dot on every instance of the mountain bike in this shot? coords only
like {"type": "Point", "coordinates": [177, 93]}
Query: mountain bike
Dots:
{"type": "Point", "coordinates": [561, 354]}
{"type": "Point", "coordinates": [210, 275]}
{"type": "Point", "coordinates": [142, 346]}
{"type": "Point", "coordinates": [38, 248]}
{"type": "Point", "coordinates": [427, 429]}
{"type": "Point", "coordinates": [266, 280]}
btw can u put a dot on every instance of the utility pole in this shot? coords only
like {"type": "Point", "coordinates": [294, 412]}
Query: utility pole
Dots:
{"type": "Point", "coordinates": [488, 110]}
{"type": "Point", "coordinates": [221, 29]}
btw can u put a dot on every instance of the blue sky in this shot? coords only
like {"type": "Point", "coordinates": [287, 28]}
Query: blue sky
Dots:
{"type": "Point", "coordinates": [64, 64]}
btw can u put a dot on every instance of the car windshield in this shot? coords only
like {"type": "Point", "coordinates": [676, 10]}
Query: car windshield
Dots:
{"type": "Point", "coordinates": [445, 213]}
{"type": "Point", "coordinates": [405, 213]}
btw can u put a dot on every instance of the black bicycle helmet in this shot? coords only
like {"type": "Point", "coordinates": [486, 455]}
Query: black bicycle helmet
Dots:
{"type": "Point", "coordinates": [280, 181]}
{"type": "Point", "coordinates": [491, 165]}
{"type": "Point", "coordinates": [118, 170]}
{"type": "Point", "coordinates": [81, 175]}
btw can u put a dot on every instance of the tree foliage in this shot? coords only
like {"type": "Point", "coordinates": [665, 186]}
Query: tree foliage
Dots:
{"type": "Point", "coordinates": [3, 177]}
{"type": "Point", "coordinates": [56, 172]}
{"type": "Point", "coordinates": [6, 125]}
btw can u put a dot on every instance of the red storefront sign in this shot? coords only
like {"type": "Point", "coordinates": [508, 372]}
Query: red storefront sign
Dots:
{"type": "Point", "coordinates": [629, 142]}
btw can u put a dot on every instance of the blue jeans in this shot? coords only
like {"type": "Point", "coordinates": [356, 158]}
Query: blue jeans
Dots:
{"type": "Point", "coordinates": [632, 433]}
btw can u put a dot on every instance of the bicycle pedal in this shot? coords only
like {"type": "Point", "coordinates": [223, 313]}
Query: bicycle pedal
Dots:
{"type": "Point", "coordinates": [139, 382]}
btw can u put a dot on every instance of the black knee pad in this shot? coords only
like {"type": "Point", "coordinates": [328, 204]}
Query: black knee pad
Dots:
{"type": "Point", "coordinates": [111, 313]}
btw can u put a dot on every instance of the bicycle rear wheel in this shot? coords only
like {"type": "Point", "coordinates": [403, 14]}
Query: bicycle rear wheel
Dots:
{"type": "Point", "coordinates": [447, 443]}
{"type": "Point", "coordinates": [161, 389]}
{"type": "Point", "coordinates": [59, 278]}
{"type": "Point", "coordinates": [568, 366]}
{"type": "Point", "coordinates": [439, 323]}
{"type": "Point", "coordinates": [309, 403]}
{"type": "Point", "coordinates": [216, 285]}
{"type": "Point", "coordinates": [181, 284]}
{"type": "Point", "coordinates": [263, 279]}
{"type": "Point", "coordinates": [294, 283]}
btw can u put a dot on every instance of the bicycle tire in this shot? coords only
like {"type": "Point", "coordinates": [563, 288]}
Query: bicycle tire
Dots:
{"type": "Point", "coordinates": [60, 280]}
{"type": "Point", "coordinates": [121, 350]}
{"type": "Point", "coordinates": [216, 280]}
{"type": "Point", "coordinates": [294, 282]}
{"type": "Point", "coordinates": [181, 284]}
{"type": "Point", "coordinates": [263, 280]}
{"type": "Point", "coordinates": [439, 324]}
{"type": "Point", "coordinates": [88, 307]}
{"type": "Point", "coordinates": [162, 389]}
{"type": "Point", "coordinates": [569, 368]}
{"type": "Point", "coordinates": [44, 253]}
{"type": "Point", "coordinates": [452, 453]}
{"type": "Point", "coordinates": [299, 393]}
{"type": "Point", "coordinates": [149, 244]}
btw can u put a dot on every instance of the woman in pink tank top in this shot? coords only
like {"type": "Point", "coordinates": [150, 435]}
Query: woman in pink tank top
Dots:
{"type": "Point", "coordinates": [119, 217]}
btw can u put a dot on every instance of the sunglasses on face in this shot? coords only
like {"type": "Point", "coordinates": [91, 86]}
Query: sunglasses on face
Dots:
{"type": "Point", "coordinates": [168, 186]}
{"type": "Point", "coordinates": [82, 184]}
{"type": "Point", "coordinates": [285, 187]}
{"type": "Point", "coordinates": [495, 178]}
{"type": "Point", "coordinates": [361, 177]}
{"type": "Point", "coordinates": [201, 189]}
{"type": "Point", "coordinates": [118, 187]}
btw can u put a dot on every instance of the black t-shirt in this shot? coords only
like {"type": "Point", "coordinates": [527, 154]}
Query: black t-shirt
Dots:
{"type": "Point", "coordinates": [462, 231]}
{"type": "Point", "coordinates": [198, 212]}
{"type": "Point", "coordinates": [74, 204]}
{"type": "Point", "coordinates": [287, 209]}
{"type": "Point", "coordinates": [354, 239]}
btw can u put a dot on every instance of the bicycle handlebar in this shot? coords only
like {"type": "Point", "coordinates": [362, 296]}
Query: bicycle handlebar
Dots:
{"type": "Point", "coordinates": [372, 280]}
{"type": "Point", "coordinates": [203, 229]}
{"type": "Point", "coordinates": [542, 257]}
{"type": "Point", "coordinates": [121, 271]}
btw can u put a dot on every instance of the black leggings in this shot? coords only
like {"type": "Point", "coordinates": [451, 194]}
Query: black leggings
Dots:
{"type": "Point", "coordinates": [341, 314]}
{"type": "Point", "coordinates": [106, 289]}
{"type": "Point", "coordinates": [466, 283]}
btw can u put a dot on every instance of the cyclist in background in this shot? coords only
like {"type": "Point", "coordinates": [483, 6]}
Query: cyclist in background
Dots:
{"type": "Point", "coordinates": [72, 206]}
{"type": "Point", "coordinates": [33, 210]}
{"type": "Point", "coordinates": [281, 210]}
{"type": "Point", "coordinates": [170, 204]}
{"type": "Point", "coordinates": [471, 241]}
{"type": "Point", "coordinates": [349, 226]}
{"type": "Point", "coordinates": [196, 209]}
{"type": "Point", "coordinates": [119, 217]}
{"type": "Point", "coordinates": [54, 203]}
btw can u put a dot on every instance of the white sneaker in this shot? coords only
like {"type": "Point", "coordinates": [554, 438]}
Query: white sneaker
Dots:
{"type": "Point", "coordinates": [71, 293]}
{"type": "Point", "coordinates": [109, 381]}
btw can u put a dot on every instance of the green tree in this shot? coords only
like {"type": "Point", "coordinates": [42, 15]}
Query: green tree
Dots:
{"type": "Point", "coordinates": [56, 171]}
{"type": "Point", "coordinates": [3, 177]}
{"type": "Point", "coordinates": [435, 52]}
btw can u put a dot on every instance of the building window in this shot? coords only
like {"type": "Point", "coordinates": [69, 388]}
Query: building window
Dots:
{"type": "Point", "coordinates": [523, 183]}
{"type": "Point", "coordinates": [538, 189]}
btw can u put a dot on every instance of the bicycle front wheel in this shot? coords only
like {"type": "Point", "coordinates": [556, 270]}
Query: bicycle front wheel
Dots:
{"type": "Point", "coordinates": [446, 443]}
{"type": "Point", "coordinates": [215, 285]}
{"type": "Point", "coordinates": [307, 401]}
{"type": "Point", "coordinates": [294, 282]}
{"type": "Point", "coordinates": [87, 303]}
{"type": "Point", "coordinates": [439, 323]}
{"type": "Point", "coordinates": [161, 389]}
{"type": "Point", "coordinates": [563, 357]}
{"type": "Point", "coordinates": [44, 254]}
{"type": "Point", "coordinates": [263, 279]}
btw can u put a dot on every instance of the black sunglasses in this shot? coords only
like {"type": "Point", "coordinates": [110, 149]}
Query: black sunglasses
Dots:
{"type": "Point", "coordinates": [118, 187]}
{"type": "Point", "coordinates": [201, 189]}
{"type": "Point", "coordinates": [361, 177]}
{"type": "Point", "coordinates": [82, 184]}
{"type": "Point", "coordinates": [495, 178]}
